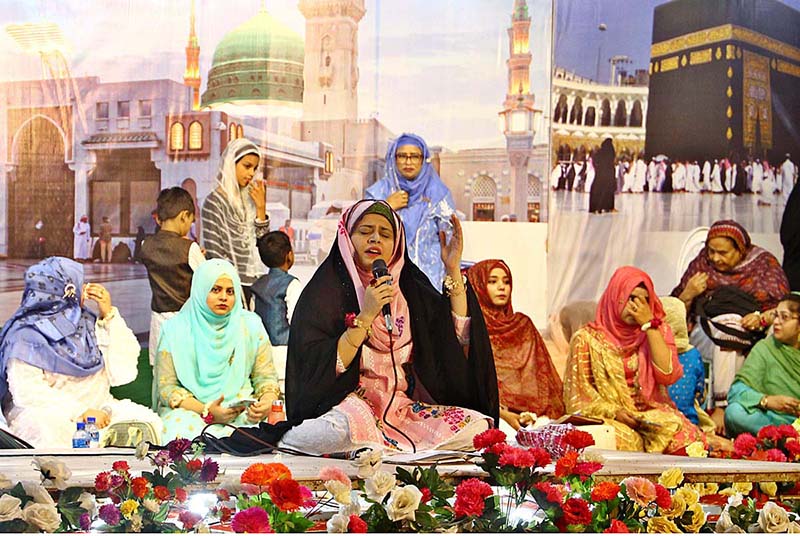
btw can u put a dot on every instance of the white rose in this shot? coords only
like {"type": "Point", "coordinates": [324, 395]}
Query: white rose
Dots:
{"type": "Point", "coordinates": [338, 524]}
{"type": "Point", "coordinates": [339, 490]}
{"type": "Point", "coordinates": [151, 505]}
{"type": "Point", "coordinates": [368, 462]}
{"type": "Point", "coordinates": [10, 508]}
{"type": "Point", "coordinates": [5, 483]}
{"type": "Point", "coordinates": [378, 485]}
{"type": "Point", "coordinates": [37, 491]}
{"type": "Point", "coordinates": [773, 518]}
{"type": "Point", "coordinates": [53, 471]}
{"type": "Point", "coordinates": [87, 501]}
{"type": "Point", "coordinates": [403, 503]}
{"type": "Point", "coordinates": [43, 516]}
{"type": "Point", "coordinates": [142, 449]}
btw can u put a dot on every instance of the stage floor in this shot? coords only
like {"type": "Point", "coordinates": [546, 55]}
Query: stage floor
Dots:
{"type": "Point", "coordinates": [17, 466]}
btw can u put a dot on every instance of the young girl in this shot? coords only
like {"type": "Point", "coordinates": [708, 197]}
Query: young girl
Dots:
{"type": "Point", "coordinates": [526, 377]}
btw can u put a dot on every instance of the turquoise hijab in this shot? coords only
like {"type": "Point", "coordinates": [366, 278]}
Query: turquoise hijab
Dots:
{"type": "Point", "coordinates": [209, 351]}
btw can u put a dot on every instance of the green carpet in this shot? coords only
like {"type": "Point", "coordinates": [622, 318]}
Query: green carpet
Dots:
{"type": "Point", "coordinates": [139, 389]}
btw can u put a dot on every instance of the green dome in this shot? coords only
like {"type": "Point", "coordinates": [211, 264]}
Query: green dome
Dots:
{"type": "Point", "coordinates": [259, 61]}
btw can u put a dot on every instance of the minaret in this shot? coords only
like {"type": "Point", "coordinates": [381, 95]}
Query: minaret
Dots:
{"type": "Point", "coordinates": [330, 72]}
{"type": "Point", "coordinates": [519, 57]}
{"type": "Point", "coordinates": [191, 76]}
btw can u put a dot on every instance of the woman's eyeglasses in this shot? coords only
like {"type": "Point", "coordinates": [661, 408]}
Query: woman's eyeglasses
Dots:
{"type": "Point", "coordinates": [414, 158]}
{"type": "Point", "coordinates": [785, 317]}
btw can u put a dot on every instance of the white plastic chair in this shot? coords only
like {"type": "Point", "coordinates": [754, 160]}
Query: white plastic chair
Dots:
{"type": "Point", "coordinates": [695, 241]}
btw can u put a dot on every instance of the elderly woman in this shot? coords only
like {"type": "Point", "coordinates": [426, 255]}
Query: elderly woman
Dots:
{"type": "Point", "coordinates": [423, 378]}
{"type": "Point", "coordinates": [214, 362]}
{"type": "Point", "coordinates": [526, 377]}
{"type": "Point", "coordinates": [729, 259]}
{"type": "Point", "coordinates": [234, 215]}
{"type": "Point", "coordinates": [767, 387]}
{"type": "Point", "coordinates": [58, 360]}
{"type": "Point", "coordinates": [621, 364]}
{"type": "Point", "coordinates": [414, 190]}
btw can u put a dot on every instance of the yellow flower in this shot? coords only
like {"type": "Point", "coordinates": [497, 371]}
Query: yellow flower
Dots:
{"type": "Point", "coordinates": [696, 450]}
{"type": "Point", "coordinates": [704, 488]}
{"type": "Point", "coordinates": [677, 509]}
{"type": "Point", "coordinates": [743, 487]}
{"type": "Point", "coordinates": [662, 525]}
{"type": "Point", "coordinates": [128, 508]}
{"type": "Point", "coordinates": [671, 478]}
{"type": "Point", "coordinates": [770, 488]}
{"type": "Point", "coordinates": [698, 518]}
{"type": "Point", "coordinates": [689, 495]}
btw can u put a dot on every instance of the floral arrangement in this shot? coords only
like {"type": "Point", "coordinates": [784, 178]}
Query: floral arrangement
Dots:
{"type": "Point", "coordinates": [774, 443]}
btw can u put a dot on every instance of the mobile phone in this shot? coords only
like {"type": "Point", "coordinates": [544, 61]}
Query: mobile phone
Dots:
{"type": "Point", "coordinates": [243, 403]}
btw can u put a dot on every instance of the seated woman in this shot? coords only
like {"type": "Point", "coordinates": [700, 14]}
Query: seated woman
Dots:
{"type": "Point", "coordinates": [58, 360]}
{"type": "Point", "coordinates": [620, 364]}
{"type": "Point", "coordinates": [526, 377]}
{"type": "Point", "coordinates": [767, 387]}
{"type": "Point", "coordinates": [690, 387]}
{"type": "Point", "coordinates": [730, 259]}
{"type": "Point", "coordinates": [212, 354]}
{"type": "Point", "coordinates": [428, 383]}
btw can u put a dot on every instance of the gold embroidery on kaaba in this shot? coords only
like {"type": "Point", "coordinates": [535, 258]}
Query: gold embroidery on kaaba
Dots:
{"type": "Point", "coordinates": [698, 57]}
{"type": "Point", "coordinates": [669, 64]}
{"type": "Point", "coordinates": [788, 68]}
{"type": "Point", "coordinates": [756, 100]}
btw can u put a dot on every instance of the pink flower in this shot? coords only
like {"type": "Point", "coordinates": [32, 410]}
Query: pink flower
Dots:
{"type": "Point", "coordinates": [769, 433]}
{"type": "Point", "coordinates": [209, 470]}
{"type": "Point", "coordinates": [488, 438]}
{"type": "Point", "coordinates": [787, 431]}
{"type": "Point", "coordinates": [470, 496]}
{"type": "Point", "coordinates": [334, 473]}
{"type": "Point", "coordinates": [640, 490]}
{"type": "Point", "coordinates": [189, 519]}
{"type": "Point", "coordinates": [776, 455]}
{"type": "Point", "coordinates": [744, 445]}
{"type": "Point", "coordinates": [251, 520]}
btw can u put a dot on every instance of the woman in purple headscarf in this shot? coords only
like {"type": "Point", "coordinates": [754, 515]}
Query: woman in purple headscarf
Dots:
{"type": "Point", "coordinates": [415, 191]}
{"type": "Point", "coordinates": [58, 360]}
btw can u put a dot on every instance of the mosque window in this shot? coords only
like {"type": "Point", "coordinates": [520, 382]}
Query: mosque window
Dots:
{"type": "Point", "coordinates": [176, 137]}
{"type": "Point", "coordinates": [101, 110]}
{"type": "Point", "coordinates": [123, 114]}
{"type": "Point", "coordinates": [239, 131]}
{"type": "Point", "coordinates": [195, 136]}
{"type": "Point", "coordinates": [145, 108]}
{"type": "Point", "coordinates": [231, 131]}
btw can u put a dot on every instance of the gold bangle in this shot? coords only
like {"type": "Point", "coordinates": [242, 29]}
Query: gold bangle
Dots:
{"type": "Point", "coordinates": [347, 339]}
{"type": "Point", "coordinates": [363, 325]}
{"type": "Point", "coordinates": [453, 287]}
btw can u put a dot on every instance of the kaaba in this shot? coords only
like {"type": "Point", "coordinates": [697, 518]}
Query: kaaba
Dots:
{"type": "Point", "coordinates": [724, 80]}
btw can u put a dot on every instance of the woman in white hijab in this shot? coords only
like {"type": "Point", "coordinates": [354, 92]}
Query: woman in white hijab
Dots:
{"type": "Point", "coordinates": [234, 214]}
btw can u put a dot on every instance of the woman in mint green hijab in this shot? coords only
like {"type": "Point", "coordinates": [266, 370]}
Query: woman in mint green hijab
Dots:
{"type": "Point", "coordinates": [211, 355]}
{"type": "Point", "coordinates": [767, 387]}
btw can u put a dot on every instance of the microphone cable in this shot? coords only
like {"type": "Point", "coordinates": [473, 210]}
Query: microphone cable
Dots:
{"type": "Point", "coordinates": [391, 399]}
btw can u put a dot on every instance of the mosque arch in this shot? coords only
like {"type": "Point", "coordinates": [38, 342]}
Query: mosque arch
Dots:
{"type": "Point", "coordinates": [576, 115]}
{"type": "Point", "coordinates": [484, 198]}
{"type": "Point", "coordinates": [636, 114]}
{"type": "Point", "coordinates": [605, 113]}
{"type": "Point", "coordinates": [620, 115]}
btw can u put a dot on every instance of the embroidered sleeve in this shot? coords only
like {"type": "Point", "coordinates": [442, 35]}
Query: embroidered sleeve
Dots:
{"type": "Point", "coordinates": [262, 227]}
{"type": "Point", "coordinates": [582, 393]}
{"type": "Point", "coordinates": [170, 391]}
{"type": "Point", "coordinates": [340, 368]}
{"type": "Point", "coordinates": [264, 376]}
{"type": "Point", "coordinates": [119, 347]}
{"type": "Point", "coordinates": [462, 324]}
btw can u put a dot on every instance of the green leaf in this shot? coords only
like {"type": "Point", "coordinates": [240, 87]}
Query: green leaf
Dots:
{"type": "Point", "coordinates": [19, 492]}
{"type": "Point", "coordinates": [15, 525]}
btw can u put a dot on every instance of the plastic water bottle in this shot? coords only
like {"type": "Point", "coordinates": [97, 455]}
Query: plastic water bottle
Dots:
{"type": "Point", "coordinates": [94, 433]}
{"type": "Point", "coordinates": [81, 438]}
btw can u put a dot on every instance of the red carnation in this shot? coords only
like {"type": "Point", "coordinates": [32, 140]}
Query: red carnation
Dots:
{"type": "Point", "coordinates": [102, 482]}
{"type": "Point", "coordinates": [541, 457]}
{"type": "Point", "coordinates": [744, 445]}
{"type": "Point", "coordinates": [553, 494]}
{"type": "Point", "coordinates": [356, 524]}
{"type": "Point", "coordinates": [576, 512]}
{"type": "Point", "coordinates": [194, 465]}
{"type": "Point", "coordinates": [121, 466]}
{"type": "Point", "coordinates": [497, 449]}
{"type": "Point", "coordinates": [769, 433]}
{"type": "Point", "coordinates": [181, 495]}
{"type": "Point", "coordinates": [776, 455]}
{"type": "Point", "coordinates": [587, 468]}
{"type": "Point", "coordinates": [605, 491]}
{"type": "Point", "coordinates": [663, 498]}
{"type": "Point", "coordinates": [516, 457]}
{"type": "Point", "coordinates": [566, 464]}
{"type": "Point", "coordinates": [488, 438]}
{"type": "Point", "coordinates": [189, 519]}
{"type": "Point", "coordinates": [225, 514]}
{"type": "Point", "coordinates": [470, 496]}
{"type": "Point", "coordinates": [617, 527]}
{"type": "Point", "coordinates": [161, 493]}
{"type": "Point", "coordinates": [286, 494]}
{"type": "Point", "coordinates": [793, 447]}
{"type": "Point", "coordinates": [253, 520]}
{"type": "Point", "coordinates": [578, 439]}
{"type": "Point", "coordinates": [787, 431]}
{"type": "Point", "coordinates": [139, 486]}
{"type": "Point", "coordinates": [426, 495]}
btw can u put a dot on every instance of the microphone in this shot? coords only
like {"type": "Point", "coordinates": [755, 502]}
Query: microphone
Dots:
{"type": "Point", "coordinates": [379, 269]}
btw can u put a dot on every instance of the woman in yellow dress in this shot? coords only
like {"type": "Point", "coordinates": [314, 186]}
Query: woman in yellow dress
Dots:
{"type": "Point", "coordinates": [620, 365]}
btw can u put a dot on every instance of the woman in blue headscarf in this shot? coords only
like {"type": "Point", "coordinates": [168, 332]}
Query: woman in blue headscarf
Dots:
{"type": "Point", "coordinates": [416, 192]}
{"type": "Point", "coordinates": [58, 360]}
{"type": "Point", "coordinates": [213, 356]}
